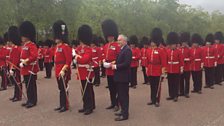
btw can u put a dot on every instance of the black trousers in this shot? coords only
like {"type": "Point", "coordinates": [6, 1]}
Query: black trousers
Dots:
{"type": "Point", "coordinates": [197, 80]}
{"type": "Point", "coordinates": [103, 71]}
{"type": "Point", "coordinates": [123, 96]}
{"type": "Point", "coordinates": [145, 75]}
{"type": "Point", "coordinates": [134, 76]}
{"type": "Point", "coordinates": [97, 75]}
{"type": "Point", "coordinates": [62, 96]}
{"type": "Point", "coordinates": [154, 85]}
{"type": "Point", "coordinates": [209, 76]}
{"type": "Point", "coordinates": [41, 64]}
{"type": "Point", "coordinates": [48, 67]}
{"type": "Point", "coordinates": [88, 95]}
{"type": "Point", "coordinates": [31, 88]}
{"type": "Point", "coordinates": [218, 74]}
{"type": "Point", "coordinates": [16, 80]}
{"type": "Point", "coordinates": [173, 84]}
{"type": "Point", "coordinates": [185, 83]}
{"type": "Point", "coordinates": [113, 90]}
{"type": "Point", "coordinates": [3, 73]}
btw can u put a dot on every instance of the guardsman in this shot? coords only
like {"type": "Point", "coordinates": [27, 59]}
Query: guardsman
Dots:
{"type": "Point", "coordinates": [75, 44]}
{"type": "Point", "coordinates": [96, 57]}
{"type": "Point", "coordinates": [145, 43]}
{"type": "Point", "coordinates": [196, 63]}
{"type": "Point", "coordinates": [103, 70]}
{"type": "Point", "coordinates": [136, 55]}
{"type": "Point", "coordinates": [209, 61]}
{"type": "Point", "coordinates": [29, 62]}
{"type": "Point", "coordinates": [175, 66]}
{"type": "Point", "coordinates": [3, 67]}
{"type": "Point", "coordinates": [111, 51]}
{"type": "Point", "coordinates": [157, 62]}
{"type": "Point", "coordinates": [41, 55]}
{"type": "Point", "coordinates": [219, 48]}
{"type": "Point", "coordinates": [185, 76]}
{"type": "Point", "coordinates": [14, 61]}
{"type": "Point", "coordinates": [48, 57]}
{"type": "Point", "coordinates": [62, 60]}
{"type": "Point", "coordinates": [85, 71]}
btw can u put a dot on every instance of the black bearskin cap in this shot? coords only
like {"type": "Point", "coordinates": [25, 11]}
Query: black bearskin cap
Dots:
{"type": "Point", "coordinates": [219, 36]}
{"type": "Point", "coordinates": [172, 38]}
{"type": "Point", "coordinates": [185, 37]}
{"type": "Point", "coordinates": [156, 36]}
{"type": "Point", "coordinates": [13, 35]}
{"type": "Point", "coordinates": [85, 34]}
{"type": "Point", "coordinates": [209, 38]}
{"type": "Point", "coordinates": [60, 31]}
{"type": "Point", "coordinates": [48, 42]}
{"type": "Point", "coordinates": [133, 40]}
{"type": "Point", "coordinates": [109, 28]}
{"type": "Point", "coordinates": [196, 38]}
{"type": "Point", "coordinates": [27, 29]}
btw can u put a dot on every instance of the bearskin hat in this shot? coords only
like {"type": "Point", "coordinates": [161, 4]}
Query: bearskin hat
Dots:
{"type": "Point", "coordinates": [85, 34]}
{"type": "Point", "coordinates": [219, 36]}
{"type": "Point", "coordinates": [185, 37]}
{"type": "Point", "coordinates": [75, 42]}
{"type": "Point", "coordinates": [196, 38]}
{"type": "Point", "coordinates": [48, 43]}
{"type": "Point", "coordinates": [172, 38]}
{"type": "Point", "coordinates": [133, 40]}
{"type": "Point", "coordinates": [101, 40]}
{"type": "Point", "coordinates": [145, 41]}
{"type": "Point", "coordinates": [27, 29]}
{"type": "Point", "coordinates": [60, 31]}
{"type": "Point", "coordinates": [209, 38]}
{"type": "Point", "coordinates": [13, 35]}
{"type": "Point", "coordinates": [95, 40]}
{"type": "Point", "coordinates": [109, 28]}
{"type": "Point", "coordinates": [156, 36]}
{"type": "Point", "coordinates": [1, 41]}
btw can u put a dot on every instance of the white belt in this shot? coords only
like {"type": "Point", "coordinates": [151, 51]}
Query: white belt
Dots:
{"type": "Point", "coordinates": [95, 58]}
{"type": "Point", "coordinates": [187, 59]}
{"type": "Point", "coordinates": [47, 56]}
{"type": "Point", "coordinates": [34, 63]}
{"type": "Point", "coordinates": [209, 57]}
{"type": "Point", "coordinates": [144, 57]}
{"type": "Point", "coordinates": [197, 60]}
{"type": "Point", "coordinates": [173, 62]}
{"type": "Point", "coordinates": [84, 65]}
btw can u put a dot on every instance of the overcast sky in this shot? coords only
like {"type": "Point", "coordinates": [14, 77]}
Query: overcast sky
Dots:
{"type": "Point", "coordinates": [209, 5]}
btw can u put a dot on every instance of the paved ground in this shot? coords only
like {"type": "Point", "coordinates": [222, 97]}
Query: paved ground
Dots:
{"type": "Point", "coordinates": [206, 109]}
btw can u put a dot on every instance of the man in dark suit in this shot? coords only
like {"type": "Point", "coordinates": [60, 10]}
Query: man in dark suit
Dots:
{"type": "Point", "coordinates": [122, 77]}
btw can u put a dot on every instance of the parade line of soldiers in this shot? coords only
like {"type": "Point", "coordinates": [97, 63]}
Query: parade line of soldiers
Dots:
{"type": "Point", "coordinates": [179, 58]}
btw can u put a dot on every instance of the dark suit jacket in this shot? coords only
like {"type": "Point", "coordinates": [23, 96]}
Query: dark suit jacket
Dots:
{"type": "Point", "coordinates": [123, 63]}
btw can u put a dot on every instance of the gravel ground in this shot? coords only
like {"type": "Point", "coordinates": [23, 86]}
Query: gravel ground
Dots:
{"type": "Point", "coordinates": [206, 109]}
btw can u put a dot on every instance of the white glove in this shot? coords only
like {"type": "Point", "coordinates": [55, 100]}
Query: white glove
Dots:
{"type": "Point", "coordinates": [73, 53]}
{"type": "Point", "coordinates": [202, 65]}
{"type": "Point", "coordinates": [62, 73]}
{"type": "Point", "coordinates": [215, 64]}
{"type": "Point", "coordinates": [133, 57]}
{"type": "Point", "coordinates": [181, 69]}
{"type": "Point", "coordinates": [21, 65]}
{"type": "Point", "coordinates": [74, 61]}
{"type": "Point", "coordinates": [107, 65]}
{"type": "Point", "coordinates": [11, 72]}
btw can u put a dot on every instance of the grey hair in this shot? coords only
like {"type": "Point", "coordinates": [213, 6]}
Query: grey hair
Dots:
{"type": "Point", "coordinates": [124, 37]}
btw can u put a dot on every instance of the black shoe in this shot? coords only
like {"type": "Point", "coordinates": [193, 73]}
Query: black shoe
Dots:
{"type": "Point", "coordinates": [187, 96]}
{"type": "Point", "coordinates": [121, 118]}
{"type": "Point", "coordinates": [118, 114]}
{"type": "Point", "coordinates": [16, 99]}
{"type": "Point", "coordinates": [24, 104]}
{"type": "Point", "coordinates": [219, 84]}
{"type": "Point", "coordinates": [87, 112]}
{"type": "Point", "coordinates": [150, 103]}
{"type": "Point", "coordinates": [157, 105]}
{"type": "Point", "coordinates": [116, 108]}
{"type": "Point", "coordinates": [81, 110]}
{"type": "Point", "coordinates": [193, 91]}
{"type": "Point", "coordinates": [181, 94]}
{"type": "Point", "coordinates": [97, 85]}
{"type": "Point", "coordinates": [211, 87]}
{"type": "Point", "coordinates": [175, 99]}
{"type": "Point", "coordinates": [169, 98]}
{"type": "Point", "coordinates": [11, 99]}
{"type": "Point", "coordinates": [145, 83]}
{"type": "Point", "coordinates": [110, 107]}
{"type": "Point", "coordinates": [30, 105]}
{"type": "Point", "coordinates": [57, 109]}
{"type": "Point", "coordinates": [63, 109]}
{"type": "Point", "coordinates": [107, 87]}
{"type": "Point", "coordinates": [199, 92]}
{"type": "Point", "coordinates": [2, 89]}
{"type": "Point", "coordinates": [206, 86]}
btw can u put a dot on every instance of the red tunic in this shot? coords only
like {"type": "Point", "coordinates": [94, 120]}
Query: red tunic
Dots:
{"type": "Point", "coordinates": [156, 60]}
{"type": "Point", "coordinates": [111, 51]}
{"type": "Point", "coordinates": [196, 59]}
{"type": "Point", "coordinates": [219, 51]}
{"type": "Point", "coordinates": [15, 57]}
{"type": "Point", "coordinates": [62, 57]}
{"type": "Point", "coordinates": [185, 51]}
{"type": "Point", "coordinates": [48, 55]}
{"type": "Point", "coordinates": [136, 55]}
{"type": "Point", "coordinates": [96, 56]}
{"type": "Point", "coordinates": [85, 62]}
{"type": "Point", "coordinates": [143, 57]}
{"type": "Point", "coordinates": [208, 56]}
{"type": "Point", "coordinates": [30, 52]}
{"type": "Point", "coordinates": [175, 61]}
